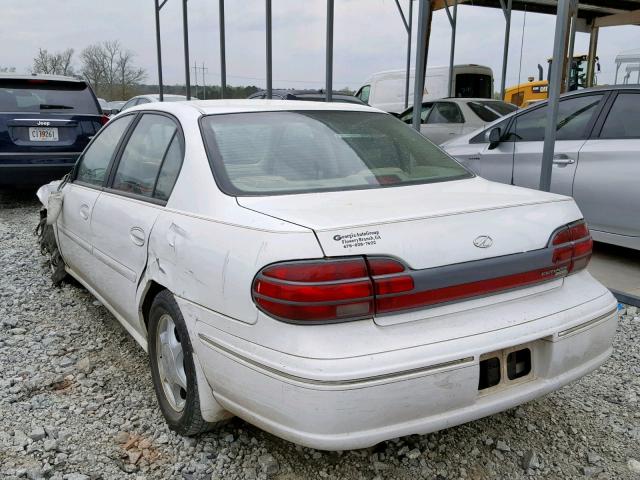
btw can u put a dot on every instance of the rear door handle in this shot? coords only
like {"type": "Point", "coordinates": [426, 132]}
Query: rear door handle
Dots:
{"type": "Point", "coordinates": [137, 236]}
{"type": "Point", "coordinates": [84, 211]}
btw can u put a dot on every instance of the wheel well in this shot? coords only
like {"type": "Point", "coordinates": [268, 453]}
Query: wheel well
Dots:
{"type": "Point", "coordinates": [153, 290]}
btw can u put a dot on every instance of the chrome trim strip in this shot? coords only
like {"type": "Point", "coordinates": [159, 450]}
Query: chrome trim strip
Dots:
{"type": "Point", "coordinates": [587, 324]}
{"type": "Point", "coordinates": [333, 383]}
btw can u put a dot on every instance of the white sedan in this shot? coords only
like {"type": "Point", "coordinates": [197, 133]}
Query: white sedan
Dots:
{"type": "Point", "coordinates": [449, 118]}
{"type": "Point", "coordinates": [324, 272]}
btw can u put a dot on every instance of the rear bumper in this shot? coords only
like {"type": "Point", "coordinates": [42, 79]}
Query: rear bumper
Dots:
{"type": "Point", "coordinates": [309, 409]}
{"type": "Point", "coordinates": [33, 174]}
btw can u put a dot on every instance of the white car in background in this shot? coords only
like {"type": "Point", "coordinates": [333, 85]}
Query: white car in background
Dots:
{"type": "Point", "coordinates": [324, 272]}
{"type": "Point", "coordinates": [449, 118]}
{"type": "Point", "coordinates": [152, 98]}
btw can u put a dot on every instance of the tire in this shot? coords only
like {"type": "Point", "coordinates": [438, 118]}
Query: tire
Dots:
{"type": "Point", "coordinates": [180, 406]}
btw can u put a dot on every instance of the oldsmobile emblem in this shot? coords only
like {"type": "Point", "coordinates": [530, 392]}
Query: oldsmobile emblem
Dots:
{"type": "Point", "coordinates": [483, 241]}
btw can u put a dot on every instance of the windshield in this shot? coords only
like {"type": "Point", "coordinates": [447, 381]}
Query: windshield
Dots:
{"type": "Point", "coordinates": [490, 111]}
{"type": "Point", "coordinates": [307, 151]}
{"type": "Point", "coordinates": [35, 95]}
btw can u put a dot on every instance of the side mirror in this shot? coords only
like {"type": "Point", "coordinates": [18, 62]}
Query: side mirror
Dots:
{"type": "Point", "coordinates": [115, 111]}
{"type": "Point", "coordinates": [493, 137]}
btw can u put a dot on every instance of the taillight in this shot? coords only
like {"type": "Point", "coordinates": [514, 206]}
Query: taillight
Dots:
{"type": "Point", "coordinates": [104, 119]}
{"type": "Point", "coordinates": [342, 289]}
{"type": "Point", "coordinates": [572, 246]}
{"type": "Point", "coordinates": [324, 290]}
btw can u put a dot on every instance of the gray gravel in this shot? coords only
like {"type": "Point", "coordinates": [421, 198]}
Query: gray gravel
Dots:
{"type": "Point", "coordinates": [76, 403]}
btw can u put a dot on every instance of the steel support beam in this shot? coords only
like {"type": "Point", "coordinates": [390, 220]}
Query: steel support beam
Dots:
{"type": "Point", "coordinates": [422, 50]}
{"type": "Point", "coordinates": [329, 52]}
{"type": "Point", "coordinates": [593, 51]}
{"type": "Point", "coordinates": [185, 32]}
{"type": "Point", "coordinates": [453, 21]}
{"type": "Point", "coordinates": [269, 51]}
{"type": "Point", "coordinates": [572, 43]}
{"type": "Point", "coordinates": [408, 75]}
{"type": "Point", "coordinates": [159, 50]}
{"type": "Point", "coordinates": [618, 65]}
{"type": "Point", "coordinates": [506, 10]}
{"type": "Point", "coordinates": [555, 84]}
{"type": "Point", "coordinates": [223, 53]}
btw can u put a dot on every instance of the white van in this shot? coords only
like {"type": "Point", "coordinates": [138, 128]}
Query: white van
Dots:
{"type": "Point", "coordinates": [385, 90]}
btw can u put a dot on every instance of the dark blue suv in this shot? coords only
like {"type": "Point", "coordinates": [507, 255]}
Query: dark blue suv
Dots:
{"type": "Point", "coordinates": [45, 123]}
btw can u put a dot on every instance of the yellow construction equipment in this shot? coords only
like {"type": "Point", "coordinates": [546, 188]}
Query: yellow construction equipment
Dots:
{"type": "Point", "coordinates": [533, 90]}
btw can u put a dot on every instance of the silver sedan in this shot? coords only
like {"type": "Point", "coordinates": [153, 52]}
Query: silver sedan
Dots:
{"type": "Point", "coordinates": [595, 161]}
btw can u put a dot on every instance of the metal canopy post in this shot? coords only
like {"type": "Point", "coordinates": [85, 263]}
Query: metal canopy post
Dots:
{"type": "Point", "coordinates": [593, 48]}
{"type": "Point", "coordinates": [506, 10]}
{"type": "Point", "coordinates": [422, 49]}
{"type": "Point", "coordinates": [269, 50]}
{"type": "Point", "coordinates": [617, 71]}
{"type": "Point", "coordinates": [555, 85]}
{"type": "Point", "coordinates": [453, 21]}
{"type": "Point", "coordinates": [185, 31]}
{"type": "Point", "coordinates": [329, 67]}
{"type": "Point", "coordinates": [158, 7]}
{"type": "Point", "coordinates": [408, 26]}
{"type": "Point", "coordinates": [572, 43]}
{"type": "Point", "coordinates": [223, 54]}
{"type": "Point", "coordinates": [409, 31]}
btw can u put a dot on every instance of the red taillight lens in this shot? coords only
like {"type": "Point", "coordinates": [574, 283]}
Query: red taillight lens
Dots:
{"type": "Point", "coordinates": [104, 119]}
{"type": "Point", "coordinates": [573, 246]}
{"type": "Point", "coordinates": [326, 290]}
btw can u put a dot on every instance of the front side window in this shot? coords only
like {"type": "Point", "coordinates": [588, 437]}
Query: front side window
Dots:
{"type": "Point", "coordinates": [146, 151]}
{"type": "Point", "coordinates": [574, 114]}
{"type": "Point", "coordinates": [623, 120]}
{"type": "Point", "coordinates": [445, 112]}
{"type": "Point", "coordinates": [269, 153]}
{"type": "Point", "coordinates": [408, 115]}
{"type": "Point", "coordinates": [95, 160]}
{"type": "Point", "coordinates": [364, 92]}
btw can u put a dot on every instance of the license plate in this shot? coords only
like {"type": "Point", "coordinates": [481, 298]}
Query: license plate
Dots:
{"type": "Point", "coordinates": [43, 134]}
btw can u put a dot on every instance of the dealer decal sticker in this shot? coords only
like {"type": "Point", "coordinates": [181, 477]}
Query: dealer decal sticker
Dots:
{"type": "Point", "coordinates": [358, 239]}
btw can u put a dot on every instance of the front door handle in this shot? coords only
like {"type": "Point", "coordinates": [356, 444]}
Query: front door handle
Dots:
{"type": "Point", "coordinates": [562, 159]}
{"type": "Point", "coordinates": [84, 211]}
{"type": "Point", "coordinates": [137, 236]}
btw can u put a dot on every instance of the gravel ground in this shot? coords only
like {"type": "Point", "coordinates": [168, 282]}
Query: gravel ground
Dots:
{"type": "Point", "coordinates": [76, 402]}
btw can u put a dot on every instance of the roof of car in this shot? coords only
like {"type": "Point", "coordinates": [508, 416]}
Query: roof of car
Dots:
{"type": "Point", "coordinates": [211, 107]}
{"type": "Point", "coordinates": [156, 96]}
{"type": "Point", "coordinates": [60, 78]}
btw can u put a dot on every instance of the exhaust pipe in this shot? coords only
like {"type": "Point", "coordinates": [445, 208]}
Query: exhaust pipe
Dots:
{"type": "Point", "coordinates": [540, 72]}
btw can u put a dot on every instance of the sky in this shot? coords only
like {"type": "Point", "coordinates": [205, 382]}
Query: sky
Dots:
{"type": "Point", "coordinates": [369, 37]}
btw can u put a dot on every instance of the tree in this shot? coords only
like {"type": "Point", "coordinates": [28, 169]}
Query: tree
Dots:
{"type": "Point", "coordinates": [109, 68]}
{"type": "Point", "coordinates": [59, 63]}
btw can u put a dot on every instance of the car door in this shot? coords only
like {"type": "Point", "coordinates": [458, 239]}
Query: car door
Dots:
{"type": "Point", "coordinates": [444, 122]}
{"type": "Point", "coordinates": [139, 185]}
{"type": "Point", "coordinates": [493, 162]}
{"type": "Point", "coordinates": [576, 115]}
{"type": "Point", "coordinates": [606, 183]}
{"type": "Point", "coordinates": [80, 195]}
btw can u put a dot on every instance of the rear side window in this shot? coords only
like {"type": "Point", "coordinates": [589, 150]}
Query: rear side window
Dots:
{"type": "Point", "coordinates": [490, 111]}
{"type": "Point", "coordinates": [145, 153]}
{"type": "Point", "coordinates": [574, 114]}
{"type": "Point", "coordinates": [623, 120]}
{"type": "Point", "coordinates": [35, 95]}
{"type": "Point", "coordinates": [95, 160]}
{"type": "Point", "coordinates": [363, 94]}
{"type": "Point", "coordinates": [445, 112]}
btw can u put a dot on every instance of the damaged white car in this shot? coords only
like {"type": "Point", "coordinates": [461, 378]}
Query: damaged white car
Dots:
{"type": "Point", "coordinates": [325, 272]}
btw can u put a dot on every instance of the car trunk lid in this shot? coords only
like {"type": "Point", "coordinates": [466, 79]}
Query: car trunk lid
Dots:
{"type": "Point", "coordinates": [425, 226]}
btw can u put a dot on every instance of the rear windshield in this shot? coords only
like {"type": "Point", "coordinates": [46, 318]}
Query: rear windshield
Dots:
{"type": "Point", "coordinates": [490, 111]}
{"type": "Point", "coordinates": [46, 95]}
{"type": "Point", "coordinates": [298, 152]}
